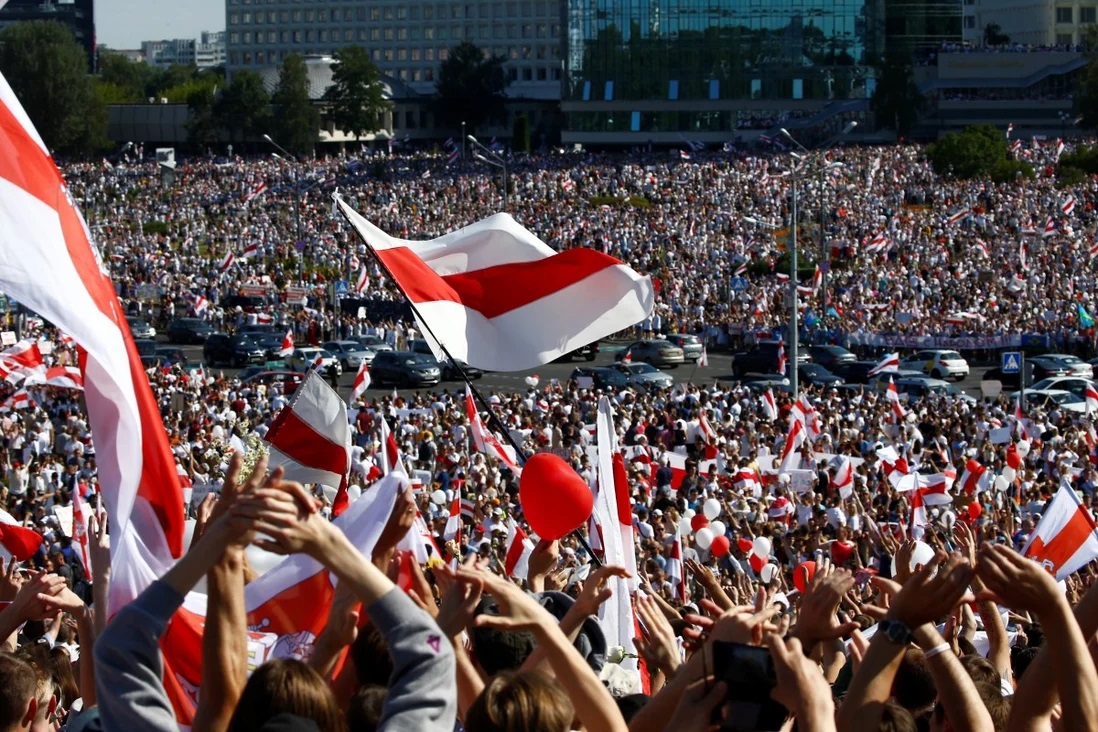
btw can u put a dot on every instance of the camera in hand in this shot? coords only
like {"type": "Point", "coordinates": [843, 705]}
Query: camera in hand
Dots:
{"type": "Point", "coordinates": [748, 673]}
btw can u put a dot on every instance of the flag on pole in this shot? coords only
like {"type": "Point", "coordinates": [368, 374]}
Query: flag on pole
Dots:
{"type": "Point", "coordinates": [893, 397]}
{"type": "Point", "coordinates": [201, 304]}
{"type": "Point", "coordinates": [362, 381]}
{"type": "Point", "coordinates": [770, 406]}
{"type": "Point", "coordinates": [251, 251]}
{"type": "Point", "coordinates": [781, 358]}
{"type": "Point", "coordinates": [703, 359]}
{"type": "Point", "coordinates": [486, 442]}
{"type": "Point", "coordinates": [453, 522]}
{"type": "Point", "coordinates": [517, 551]}
{"type": "Point", "coordinates": [974, 478]}
{"type": "Point", "coordinates": [362, 282]}
{"type": "Point", "coordinates": [256, 192]}
{"type": "Point", "coordinates": [80, 517]}
{"type": "Point", "coordinates": [794, 439]}
{"type": "Point", "coordinates": [311, 438]}
{"type": "Point", "coordinates": [1091, 398]}
{"type": "Point", "coordinates": [1068, 206]}
{"type": "Point", "coordinates": [1010, 128]}
{"type": "Point", "coordinates": [842, 479]}
{"type": "Point", "coordinates": [287, 349]}
{"type": "Point", "coordinates": [891, 362]}
{"type": "Point", "coordinates": [485, 291]}
{"type": "Point", "coordinates": [1066, 538]}
{"type": "Point", "coordinates": [227, 262]}
{"type": "Point", "coordinates": [676, 571]}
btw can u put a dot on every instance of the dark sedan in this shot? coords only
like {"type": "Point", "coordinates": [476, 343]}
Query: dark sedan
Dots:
{"type": "Point", "coordinates": [816, 375]}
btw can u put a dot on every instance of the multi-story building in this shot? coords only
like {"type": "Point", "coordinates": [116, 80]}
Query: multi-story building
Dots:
{"type": "Point", "coordinates": [406, 40]}
{"type": "Point", "coordinates": [77, 15]}
{"type": "Point", "coordinates": [1031, 22]}
{"type": "Point", "coordinates": [207, 52]}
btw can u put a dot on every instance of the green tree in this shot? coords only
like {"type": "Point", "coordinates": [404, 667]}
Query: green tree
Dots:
{"type": "Point", "coordinates": [202, 125]}
{"type": "Point", "coordinates": [133, 78]}
{"type": "Point", "coordinates": [356, 95]}
{"type": "Point", "coordinates": [48, 71]}
{"type": "Point", "coordinates": [243, 109]}
{"type": "Point", "coordinates": [1087, 97]}
{"type": "Point", "coordinates": [470, 88]}
{"type": "Point", "coordinates": [975, 152]}
{"type": "Point", "coordinates": [897, 102]}
{"type": "Point", "coordinates": [296, 119]}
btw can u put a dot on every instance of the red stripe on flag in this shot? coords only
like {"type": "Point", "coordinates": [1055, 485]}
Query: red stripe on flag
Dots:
{"type": "Point", "coordinates": [493, 291]}
{"type": "Point", "coordinates": [514, 552]}
{"type": "Point", "coordinates": [296, 439]}
{"type": "Point", "coordinates": [21, 161]}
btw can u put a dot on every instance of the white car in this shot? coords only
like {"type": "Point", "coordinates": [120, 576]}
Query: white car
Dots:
{"type": "Point", "coordinates": [303, 359]}
{"type": "Point", "coordinates": [350, 353]}
{"type": "Point", "coordinates": [1077, 385]}
{"type": "Point", "coordinates": [1049, 399]}
{"type": "Point", "coordinates": [1074, 364]}
{"type": "Point", "coordinates": [939, 363]}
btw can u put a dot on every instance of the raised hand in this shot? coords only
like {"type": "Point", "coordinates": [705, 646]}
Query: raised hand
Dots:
{"type": "Point", "coordinates": [801, 687]}
{"type": "Point", "coordinates": [595, 592]}
{"type": "Point", "coordinates": [10, 580]}
{"type": "Point", "coordinates": [932, 592]}
{"type": "Point", "coordinates": [461, 594]}
{"type": "Point", "coordinates": [1015, 581]}
{"type": "Point", "coordinates": [656, 643]}
{"type": "Point", "coordinates": [817, 619]}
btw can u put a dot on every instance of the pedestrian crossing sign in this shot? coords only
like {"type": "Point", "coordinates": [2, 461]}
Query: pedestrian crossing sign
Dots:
{"type": "Point", "coordinates": [1012, 362]}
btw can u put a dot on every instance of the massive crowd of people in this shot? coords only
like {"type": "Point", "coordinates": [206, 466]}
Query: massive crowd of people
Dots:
{"type": "Point", "coordinates": [842, 604]}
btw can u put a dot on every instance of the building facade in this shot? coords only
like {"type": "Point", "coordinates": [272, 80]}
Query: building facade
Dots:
{"type": "Point", "coordinates": [205, 53]}
{"type": "Point", "coordinates": [77, 15]}
{"type": "Point", "coordinates": [406, 40]}
{"type": "Point", "coordinates": [1031, 22]}
{"type": "Point", "coordinates": [640, 71]}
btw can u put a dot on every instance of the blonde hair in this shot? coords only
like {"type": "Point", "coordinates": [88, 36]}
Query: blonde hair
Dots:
{"type": "Point", "coordinates": [521, 702]}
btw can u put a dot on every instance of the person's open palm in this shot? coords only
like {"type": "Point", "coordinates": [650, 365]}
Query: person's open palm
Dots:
{"type": "Point", "coordinates": [517, 610]}
{"type": "Point", "coordinates": [1015, 581]}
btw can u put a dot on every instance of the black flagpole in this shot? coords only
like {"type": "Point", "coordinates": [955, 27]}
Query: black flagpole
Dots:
{"type": "Point", "coordinates": [493, 421]}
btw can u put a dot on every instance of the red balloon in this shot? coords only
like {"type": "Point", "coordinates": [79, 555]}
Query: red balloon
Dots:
{"type": "Point", "coordinates": [803, 574]}
{"type": "Point", "coordinates": [720, 546]}
{"type": "Point", "coordinates": [1014, 460]}
{"type": "Point", "coordinates": [555, 500]}
{"type": "Point", "coordinates": [841, 552]}
{"type": "Point", "coordinates": [974, 510]}
{"type": "Point", "coordinates": [744, 545]}
{"type": "Point", "coordinates": [698, 521]}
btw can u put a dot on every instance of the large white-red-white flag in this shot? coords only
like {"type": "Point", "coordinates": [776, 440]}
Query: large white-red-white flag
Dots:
{"type": "Point", "coordinates": [287, 349]}
{"type": "Point", "coordinates": [794, 439]}
{"type": "Point", "coordinates": [517, 550]}
{"type": "Point", "coordinates": [1066, 538]}
{"type": "Point", "coordinates": [311, 437]}
{"type": "Point", "coordinates": [499, 298]}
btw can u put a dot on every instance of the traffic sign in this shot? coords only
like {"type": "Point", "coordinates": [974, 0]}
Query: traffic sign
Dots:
{"type": "Point", "coordinates": [1012, 362]}
{"type": "Point", "coordinates": [343, 288]}
{"type": "Point", "coordinates": [739, 284]}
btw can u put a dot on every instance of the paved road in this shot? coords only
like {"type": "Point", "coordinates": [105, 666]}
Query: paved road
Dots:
{"type": "Point", "coordinates": [719, 369]}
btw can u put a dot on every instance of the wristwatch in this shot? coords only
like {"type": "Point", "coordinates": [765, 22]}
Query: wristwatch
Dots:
{"type": "Point", "coordinates": [897, 632]}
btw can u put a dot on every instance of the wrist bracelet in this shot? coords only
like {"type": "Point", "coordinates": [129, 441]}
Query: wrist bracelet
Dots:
{"type": "Point", "coordinates": [932, 652]}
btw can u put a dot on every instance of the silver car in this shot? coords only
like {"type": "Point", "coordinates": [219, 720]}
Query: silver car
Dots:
{"type": "Point", "coordinates": [349, 353]}
{"type": "Point", "coordinates": [655, 351]}
{"type": "Point", "coordinates": [644, 375]}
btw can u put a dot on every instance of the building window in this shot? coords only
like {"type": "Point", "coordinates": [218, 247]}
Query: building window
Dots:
{"type": "Point", "coordinates": [970, 22]}
{"type": "Point", "coordinates": [1064, 39]}
{"type": "Point", "coordinates": [402, 12]}
{"type": "Point", "coordinates": [388, 34]}
{"type": "Point", "coordinates": [542, 75]}
{"type": "Point", "coordinates": [428, 54]}
{"type": "Point", "coordinates": [416, 54]}
{"type": "Point", "coordinates": [234, 39]}
{"type": "Point", "coordinates": [272, 37]}
{"type": "Point", "coordinates": [234, 18]}
{"type": "Point", "coordinates": [297, 36]}
{"type": "Point", "coordinates": [1063, 15]}
{"type": "Point", "coordinates": [248, 38]}
{"type": "Point", "coordinates": [402, 34]}
{"type": "Point", "coordinates": [402, 54]}
{"type": "Point", "coordinates": [1087, 15]}
{"type": "Point", "coordinates": [375, 34]}
{"type": "Point", "coordinates": [714, 88]}
{"type": "Point", "coordinates": [387, 13]}
{"type": "Point", "coordinates": [635, 122]}
{"type": "Point", "coordinates": [608, 92]}
{"type": "Point", "coordinates": [673, 89]}
{"type": "Point", "coordinates": [428, 74]}
{"type": "Point", "coordinates": [246, 18]}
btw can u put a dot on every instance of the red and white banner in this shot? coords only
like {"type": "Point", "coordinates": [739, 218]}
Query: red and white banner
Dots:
{"type": "Point", "coordinates": [256, 192]}
{"type": "Point", "coordinates": [453, 522]}
{"type": "Point", "coordinates": [485, 440]}
{"type": "Point", "coordinates": [362, 282]}
{"type": "Point", "coordinates": [362, 381]}
{"type": "Point", "coordinates": [67, 377]}
{"type": "Point", "coordinates": [770, 406]}
{"type": "Point", "coordinates": [287, 349]}
{"type": "Point", "coordinates": [891, 362]}
{"type": "Point", "coordinates": [793, 442]}
{"type": "Point", "coordinates": [80, 517]}
{"type": "Point", "coordinates": [499, 298]}
{"type": "Point", "coordinates": [311, 438]}
{"type": "Point", "coordinates": [517, 551]}
{"type": "Point", "coordinates": [843, 478]}
{"type": "Point", "coordinates": [1066, 538]}
{"type": "Point", "coordinates": [17, 541]}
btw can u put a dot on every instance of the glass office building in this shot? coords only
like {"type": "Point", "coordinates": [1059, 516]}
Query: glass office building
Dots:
{"type": "Point", "coordinates": [636, 70]}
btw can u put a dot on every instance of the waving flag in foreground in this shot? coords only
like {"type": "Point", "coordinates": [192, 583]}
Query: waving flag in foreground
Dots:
{"type": "Point", "coordinates": [499, 298]}
{"type": "Point", "coordinates": [1066, 537]}
{"type": "Point", "coordinates": [311, 438]}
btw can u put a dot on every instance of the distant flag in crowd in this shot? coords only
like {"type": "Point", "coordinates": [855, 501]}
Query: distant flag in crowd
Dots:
{"type": "Point", "coordinates": [311, 438]}
{"type": "Point", "coordinates": [453, 521]}
{"type": "Point", "coordinates": [19, 399]}
{"type": "Point", "coordinates": [517, 551]}
{"type": "Point", "coordinates": [782, 277]}
{"type": "Point", "coordinates": [1066, 538]}
{"type": "Point", "coordinates": [492, 309]}
{"type": "Point", "coordinates": [891, 362]}
{"type": "Point", "coordinates": [201, 305]}
{"type": "Point", "coordinates": [485, 440]}
{"type": "Point", "coordinates": [1094, 248]}
{"type": "Point", "coordinates": [1010, 128]}
{"type": "Point", "coordinates": [959, 216]}
{"type": "Point", "coordinates": [981, 246]}
{"type": "Point", "coordinates": [449, 144]}
{"type": "Point", "coordinates": [1068, 206]}
{"type": "Point", "coordinates": [893, 397]}
{"type": "Point", "coordinates": [794, 439]}
{"type": "Point", "coordinates": [1059, 148]}
{"type": "Point", "coordinates": [770, 406]}
{"type": "Point", "coordinates": [287, 349]}
{"type": "Point", "coordinates": [80, 517]}
{"type": "Point", "coordinates": [362, 282]}
{"type": "Point", "coordinates": [676, 571]}
{"type": "Point", "coordinates": [923, 496]}
{"type": "Point", "coordinates": [227, 262]}
{"type": "Point", "coordinates": [362, 381]}
{"type": "Point", "coordinates": [1016, 146]}
{"type": "Point", "coordinates": [568, 184]}
{"type": "Point", "coordinates": [1085, 319]}
{"type": "Point", "coordinates": [1023, 255]}
{"type": "Point", "coordinates": [781, 358]}
{"type": "Point", "coordinates": [703, 359]}
{"type": "Point", "coordinates": [1091, 398]}
{"type": "Point", "coordinates": [975, 477]}
{"type": "Point", "coordinates": [741, 268]}
{"type": "Point", "coordinates": [817, 278]}
{"type": "Point", "coordinates": [1050, 227]}
{"type": "Point", "coordinates": [879, 243]}
{"type": "Point", "coordinates": [683, 155]}
{"type": "Point", "coordinates": [453, 157]}
{"type": "Point", "coordinates": [728, 147]}
{"type": "Point", "coordinates": [842, 479]}
{"type": "Point", "coordinates": [251, 251]}
{"type": "Point", "coordinates": [256, 192]}
{"type": "Point", "coordinates": [627, 358]}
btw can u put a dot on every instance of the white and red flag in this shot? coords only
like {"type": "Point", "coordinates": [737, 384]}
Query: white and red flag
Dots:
{"type": "Point", "coordinates": [226, 262]}
{"type": "Point", "coordinates": [311, 438]}
{"type": "Point", "coordinates": [1060, 146]}
{"type": "Point", "coordinates": [1066, 538]}
{"type": "Point", "coordinates": [1091, 398]}
{"type": "Point", "coordinates": [18, 400]}
{"type": "Point", "coordinates": [453, 522]}
{"type": "Point", "coordinates": [23, 361]}
{"type": "Point", "coordinates": [793, 442]}
{"type": "Point", "coordinates": [1050, 227]}
{"type": "Point", "coordinates": [362, 381]}
{"type": "Point", "coordinates": [287, 345]}
{"type": "Point", "coordinates": [17, 541]}
{"type": "Point", "coordinates": [975, 477]}
{"type": "Point", "coordinates": [676, 571]}
{"type": "Point", "coordinates": [517, 550]}
{"type": "Point", "coordinates": [80, 517]}
{"type": "Point", "coordinates": [842, 479]}
{"type": "Point", "coordinates": [201, 305]}
{"type": "Point", "coordinates": [256, 192]}
{"type": "Point", "coordinates": [251, 251]}
{"type": "Point", "coordinates": [770, 406]}
{"type": "Point", "coordinates": [499, 298]}
{"type": "Point", "coordinates": [893, 398]}
{"type": "Point", "coordinates": [817, 278]}
{"type": "Point", "coordinates": [362, 282]}
{"type": "Point", "coordinates": [485, 440]}
{"type": "Point", "coordinates": [891, 362]}
{"type": "Point", "coordinates": [781, 358]}
{"type": "Point", "coordinates": [1068, 206]}
{"type": "Point", "coordinates": [703, 360]}
{"type": "Point", "coordinates": [928, 495]}
{"type": "Point", "coordinates": [68, 377]}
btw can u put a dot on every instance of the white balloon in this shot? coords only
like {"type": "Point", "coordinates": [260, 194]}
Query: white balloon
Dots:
{"type": "Point", "coordinates": [354, 492]}
{"type": "Point", "coordinates": [689, 513]}
{"type": "Point", "coordinates": [1009, 474]}
{"type": "Point", "coordinates": [532, 381]}
{"type": "Point", "coordinates": [711, 508]}
{"type": "Point", "coordinates": [761, 547]}
{"type": "Point", "coordinates": [921, 556]}
{"type": "Point", "coordinates": [438, 498]}
{"type": "Point", "coordinates": [684, 526]}
{"type": "Point", "coordinates": [766, 574]}
{"type": "Point", "coordinates": [703, 538]}
{"type": "Point", "coordinates": [1022, 447]}
{"type": "Point", "coordinates": [718, 528]}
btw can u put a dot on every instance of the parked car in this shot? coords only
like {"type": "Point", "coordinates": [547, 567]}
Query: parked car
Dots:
{"type": "Point", "coordinates": [1049, 399]}
{"type": "Point", "coordinates": [350, 354]}
{"type": "Point", "coordinates": [1074, 365]}
{"type": "Point", "coordinates": [854, 372]}
{"type": "Point", "coordinates": [189, 330]}
{"type": "Point", "coordinates": [587, 353]}
{"type": "Point", "coordinates": [247, 303]}
{"type": "Point", "coordinates": [303, 359]}
{"type": "Point", "coordinates": [691, 345]}
{"type": "Point", "coordinates": [145, 347]}
{"type": "Point", "coordinates": [879, 382]}
{"type": "Point", "coordinates": [1075, 384]}
{"type": "Point", "coordinates": [645, 375]}
{"type": "Point", "coordinates": [763, 359]}
{"type": "Point", "coordinates": [656, 351]}
{"type": "Point", "coordinates": [234, 350]}
{"type": "Point", "coordinates": [373, 343]}
{"type": "Point", "coordinates": [831, 356]}
{"type": "Point", "coordinates": [271, 343]}
{"type": "Point", "coordinates": [602, 377]}
{"type": "Point", "coordinates": [405, 368]}
{"type": "Point", "coordinates": [917, 387]}
{"type": "Point", "coordinates": [1040, 367]}
{"type": "Point", "coordinates": [288, 380]}
{"type": "Point", "coordinates": [937, 362]}
{"type": "Point", "coordinates": [140, 328]}
{"type": "Point", "coordinates": [816, 375]}
{"type": "Point", "coordinates": [170, 355]}
{"type": "Point", "coordinates": [451, 369]}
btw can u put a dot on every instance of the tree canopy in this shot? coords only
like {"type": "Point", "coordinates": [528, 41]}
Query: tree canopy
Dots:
{"type": "Point", "coordinates": [356, 95]}
{"type": "Point", "coordinates": [980, 151]}
{"type": "Point", "coordinates": [243, 109]}
{"type": "Point", "coordinates": [48, 71]}
{"type": "Point", "coordinates": [296, 120]}
{"type": "Point", "coordinates": [470, 88]}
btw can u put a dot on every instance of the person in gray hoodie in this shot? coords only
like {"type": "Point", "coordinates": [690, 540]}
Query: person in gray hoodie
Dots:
{"type": "Point", "coordinates": [129, 667]}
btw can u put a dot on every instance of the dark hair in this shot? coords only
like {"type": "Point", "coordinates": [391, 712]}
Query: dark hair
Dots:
{"type": "Point", "coordinates": [895, 718]}
{"type": "Point", "coordinates": [499, 650]}
{"type": "Point", "coordinates": [370, 654]}
{"type": "Point", "coordinates": [913, 688]}
{"type": "Point", "coordinates": [365, 708]}
{"type": "Point", "coordinates": [517, 702]}
{"type": "Point", "coordinates": [63, 678]}
{"type": "Point", "coordinates": [998, 706]}
{"type": "Point", "coordinates": [18, 685]}
{"type": "Point", "coordinates": [285, 686]}
{"type": "Point", "coordinates": [1020, 658]}
{"type": "Point", "coordinates": [981, 670]}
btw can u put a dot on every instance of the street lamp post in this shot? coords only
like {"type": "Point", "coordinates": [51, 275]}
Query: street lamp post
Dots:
{"type": "Point", "coordinates": [463, 141]}
{"type": "Point", "coordinates": [297, 204]}
{"type": "Point", "coordinates": [794, 335]}
{"type": "Point", "coordinates": [496, 160]}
